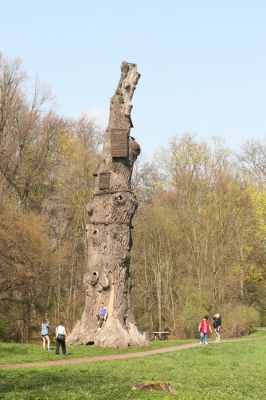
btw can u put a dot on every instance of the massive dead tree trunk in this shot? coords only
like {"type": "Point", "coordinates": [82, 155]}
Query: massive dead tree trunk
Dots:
{"type": "Point", "coordinates": [109, 230]}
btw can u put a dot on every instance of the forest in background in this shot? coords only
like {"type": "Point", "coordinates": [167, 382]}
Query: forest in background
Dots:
{"type": "Point", "coordinates": [199, 233]}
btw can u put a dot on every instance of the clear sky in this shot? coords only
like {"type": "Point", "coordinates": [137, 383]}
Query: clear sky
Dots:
{"type": "Point", "coordinates": [202, 63]}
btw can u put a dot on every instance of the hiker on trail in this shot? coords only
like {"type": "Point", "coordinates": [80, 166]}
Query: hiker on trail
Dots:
{"type": "Point", "coordinates": [103, 314]}
{"type": "Point", "coordinates": [204, 330]}
{"type": "Point", "coordinates": [45, 334]}
{"type": "Point", "coordinates": [60, 338]}
{"type": "Point", "coordinates": [217, 322]}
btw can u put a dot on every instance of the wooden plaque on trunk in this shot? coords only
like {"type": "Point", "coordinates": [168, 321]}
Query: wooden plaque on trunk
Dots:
{"type": "Point", "coordinates": [104, 180]}
{"type": "Point", "coordinates": [119, 143]}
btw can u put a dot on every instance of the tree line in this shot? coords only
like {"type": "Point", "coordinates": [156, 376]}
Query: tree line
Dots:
{"type": "Point", "coordinates": [199, 237]}
{"type": "Point", "coordinates": [199, 233]}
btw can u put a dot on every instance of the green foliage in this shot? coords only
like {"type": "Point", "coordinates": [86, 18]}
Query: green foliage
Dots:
{"type": "Point", "coordinates": [192, 311]}
{"type": "Point", "coordinates": [199, 244]}
{"type": "Point", "coordinates": [239, 320]}
{"type": "Point", "coordinates": [4, 330]}
{"type": "Point", "coordinates": [25, 261]}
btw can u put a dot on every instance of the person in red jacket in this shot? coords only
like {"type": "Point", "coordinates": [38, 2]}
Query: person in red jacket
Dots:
{"type": "Point", "coordinates": [204, 330]}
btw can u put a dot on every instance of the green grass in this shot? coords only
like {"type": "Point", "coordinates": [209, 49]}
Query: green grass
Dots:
{"type": "Point", "coordinates": [234, 371]}
{"type": "Point", "coordinates": [13, 353]}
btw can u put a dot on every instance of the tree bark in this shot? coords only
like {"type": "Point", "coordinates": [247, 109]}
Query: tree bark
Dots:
{"type": "Point", "coordinates": [109, 241]}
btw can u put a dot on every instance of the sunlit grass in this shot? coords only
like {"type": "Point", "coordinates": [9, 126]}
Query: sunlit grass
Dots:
{"type": "Point", "coordinates": [227, 371]}
{"type": "Point", "coordinates": [12, 353]}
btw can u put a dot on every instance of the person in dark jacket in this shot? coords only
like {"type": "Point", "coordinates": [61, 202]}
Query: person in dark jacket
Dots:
{"type": "Point", "coordinates": [217, 322]}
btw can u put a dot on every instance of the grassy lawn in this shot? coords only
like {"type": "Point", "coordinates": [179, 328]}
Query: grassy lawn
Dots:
{"type": "Point", "coordinates": [13, 353]}
{"type": "Point", "coordinates": [232, 371]}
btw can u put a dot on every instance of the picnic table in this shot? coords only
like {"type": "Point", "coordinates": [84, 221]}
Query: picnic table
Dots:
{"type": "Point", "coordinates": [160, 335]}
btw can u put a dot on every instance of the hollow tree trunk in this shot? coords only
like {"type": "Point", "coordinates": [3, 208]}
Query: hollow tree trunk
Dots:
{"type": "Point", "coordinates": [109, 230]}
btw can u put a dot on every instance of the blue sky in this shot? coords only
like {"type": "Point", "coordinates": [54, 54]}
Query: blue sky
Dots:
{"type": "Point", "coordinates": [202, 63]}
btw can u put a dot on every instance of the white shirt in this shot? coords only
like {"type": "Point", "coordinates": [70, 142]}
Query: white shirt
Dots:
{"type": "Point", "coordinates": [60, 330]}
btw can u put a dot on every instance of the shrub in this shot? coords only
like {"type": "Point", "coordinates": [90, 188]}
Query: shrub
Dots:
{"type": "Point", "coordinates": [4, 330]}
{"type": "Point", "coordinates": [192, 313]}
{"type": "Point", "coordinates": [239, 320]}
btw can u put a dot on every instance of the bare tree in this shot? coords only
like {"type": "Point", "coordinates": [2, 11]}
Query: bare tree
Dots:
{"type": "Point", "coordinates": [253, 161]}
{"type": "Point", "coordinates": [109, 230]}
{"type": "Point", "coordinates": [27, 131]}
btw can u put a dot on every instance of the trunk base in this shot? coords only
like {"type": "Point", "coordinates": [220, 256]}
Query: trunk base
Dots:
{"type": "Point", "coordinates": [111, 334]}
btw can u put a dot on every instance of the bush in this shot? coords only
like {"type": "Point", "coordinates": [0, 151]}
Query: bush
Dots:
{"type": "Point", "coordinates": [4, 330]}
{"type": "Point", "coordinates": [192, 313]}
{"type": "Point", "coordinates": [239, 320]}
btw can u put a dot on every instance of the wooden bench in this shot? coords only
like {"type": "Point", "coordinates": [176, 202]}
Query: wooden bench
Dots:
{"type": "Point", "coordinates": [160, 335]}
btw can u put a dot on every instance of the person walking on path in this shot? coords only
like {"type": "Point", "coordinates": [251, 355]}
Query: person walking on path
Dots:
{"type": "Point", "coordinates": [204, 330]}
{"type": "Point", "coordinates": [217, 322]}
{"type": "Point", "coordinates": [60, 338]}
{"type": "Point", "coordinates": [45, 334]}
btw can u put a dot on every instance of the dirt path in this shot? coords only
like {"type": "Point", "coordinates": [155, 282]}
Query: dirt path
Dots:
{"type": "Point", "coordinates": [80, 360]}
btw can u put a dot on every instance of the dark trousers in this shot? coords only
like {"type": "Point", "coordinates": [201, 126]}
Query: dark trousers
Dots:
{"type": "Point", "coordinates": [60, 341]}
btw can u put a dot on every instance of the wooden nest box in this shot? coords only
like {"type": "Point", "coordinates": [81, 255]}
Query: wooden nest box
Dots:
{"type": "Point", "coordinates": [104, 180]}
{"type": "Point", "coordinates": [119, 143]}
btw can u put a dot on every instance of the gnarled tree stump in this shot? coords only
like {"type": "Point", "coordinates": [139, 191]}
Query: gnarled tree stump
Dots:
{"type": "Point", "coordinates": [109, 230]}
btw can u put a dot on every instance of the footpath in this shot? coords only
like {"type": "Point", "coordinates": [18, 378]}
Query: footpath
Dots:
{"type": "Point", "coordinates": [124, 356]}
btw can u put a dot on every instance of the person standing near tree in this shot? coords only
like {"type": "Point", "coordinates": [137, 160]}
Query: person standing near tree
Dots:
{"type": "Point", "coordinates": [217, 322]}
{"type": "Point", "coordinates": [204, 330]}
{"type": "Point", "coordinates": [45, 334]}
{"type": "Point", "coordinates": [60, 338]}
